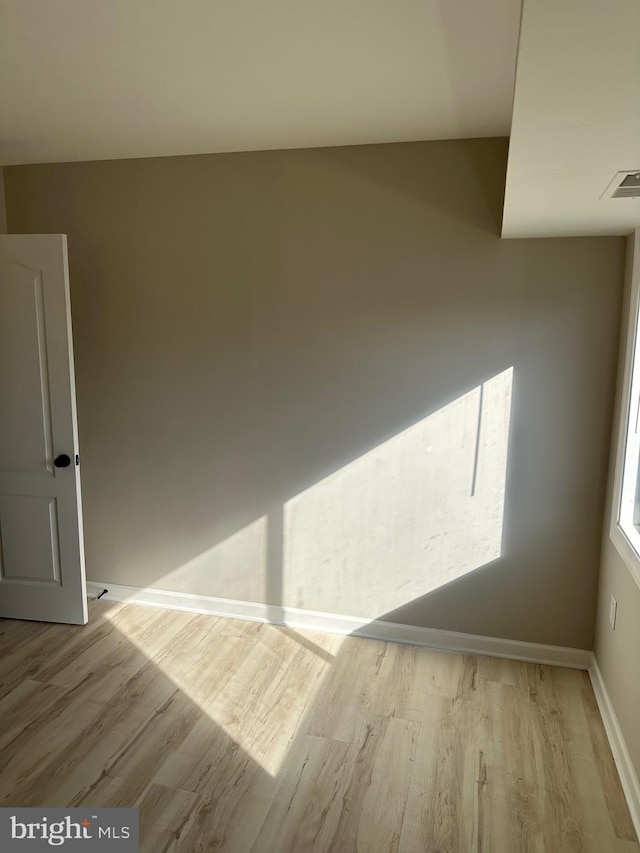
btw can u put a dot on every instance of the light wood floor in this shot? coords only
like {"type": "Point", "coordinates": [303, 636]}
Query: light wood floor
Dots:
{"type": "Point", "coordinates": [238, 736]}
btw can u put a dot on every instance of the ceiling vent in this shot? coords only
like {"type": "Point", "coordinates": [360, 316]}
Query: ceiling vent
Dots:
{"type": "Point", "coordinates": [624, 185]}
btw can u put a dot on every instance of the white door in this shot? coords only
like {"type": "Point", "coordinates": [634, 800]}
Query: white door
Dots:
{"type": "Point", "coordinates": [41, 547]}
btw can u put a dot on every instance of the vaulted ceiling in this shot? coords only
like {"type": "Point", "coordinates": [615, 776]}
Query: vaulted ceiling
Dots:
{"type": "Point", "coordinates": [83, 80]}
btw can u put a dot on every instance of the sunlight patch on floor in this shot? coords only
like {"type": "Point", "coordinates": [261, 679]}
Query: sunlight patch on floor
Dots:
{"type": "Point", "coordinates": [272, 676]}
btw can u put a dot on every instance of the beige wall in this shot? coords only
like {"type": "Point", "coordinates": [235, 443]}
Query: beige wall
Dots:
{"type": "Point", "coordinates": [617, 651]}
{"type": "Point", "coordinates": [249, 325]}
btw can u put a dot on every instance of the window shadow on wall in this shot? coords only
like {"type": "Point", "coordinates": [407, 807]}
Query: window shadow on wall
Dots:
{"type": "Point", "coordinates": [423, 508]}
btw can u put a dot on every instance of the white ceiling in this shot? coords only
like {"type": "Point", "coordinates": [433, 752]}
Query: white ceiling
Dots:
{"type": "Point", "coordinates": [576, 118]}
{"type": "Point", "coordinates": [99, 79]}
{"type": "Point", "coordinates": [103, 79]}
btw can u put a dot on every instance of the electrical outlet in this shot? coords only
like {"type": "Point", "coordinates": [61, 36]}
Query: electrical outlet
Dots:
{"type": "Point", "coordinates": [613, 612]}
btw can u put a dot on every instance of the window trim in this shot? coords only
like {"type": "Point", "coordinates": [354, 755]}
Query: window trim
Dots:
{"type": "Point", "coordinates": [617, 534]}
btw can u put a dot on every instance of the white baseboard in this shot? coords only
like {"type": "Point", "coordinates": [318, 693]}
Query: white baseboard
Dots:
{"type": "Point", "coordinates": [450, 641]}
{"type": "Point", "coordinates": [626, 771]}
{"type": "Point", "coordinates": [181, 601]}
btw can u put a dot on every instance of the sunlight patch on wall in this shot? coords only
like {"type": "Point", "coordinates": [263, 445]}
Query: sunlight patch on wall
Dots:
{"type": "Point", "coordinates": [422, 509]}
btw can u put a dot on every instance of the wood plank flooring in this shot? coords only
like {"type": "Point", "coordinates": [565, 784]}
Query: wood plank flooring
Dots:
{"type": "Point", "coordinates": [249, 738]}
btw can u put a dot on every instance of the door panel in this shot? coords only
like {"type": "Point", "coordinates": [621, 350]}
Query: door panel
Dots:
{"type": "Point", "coordinates": [41, 545]}
{"type": "Point", "coordinates": [25, 425]}
{"type": "Point", "coordinates": [30, 549]}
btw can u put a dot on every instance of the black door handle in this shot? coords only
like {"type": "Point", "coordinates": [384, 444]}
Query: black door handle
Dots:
{"type": "Point", "coordinates": [62, 461]}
